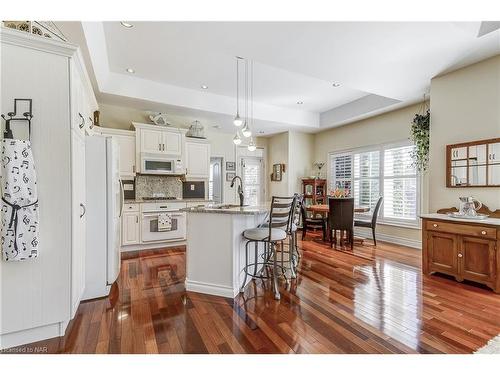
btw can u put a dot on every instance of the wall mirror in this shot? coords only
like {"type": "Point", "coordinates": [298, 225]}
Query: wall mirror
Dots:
{"type": "Point", "coordinates": [473, 164]}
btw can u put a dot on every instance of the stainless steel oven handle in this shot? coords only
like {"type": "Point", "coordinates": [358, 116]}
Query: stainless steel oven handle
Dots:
{"type": "Point", "coordinates": [122, 196]}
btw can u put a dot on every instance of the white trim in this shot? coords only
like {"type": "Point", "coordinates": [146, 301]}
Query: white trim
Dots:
{"type": "Point", "coordinates": [26, 336]}
{"type": "Point", "coordinates": [208, 288]}
{"type": "Point", "coordinates": [156, 245]}
{"type": "Point", "coordinates": [367, 233]}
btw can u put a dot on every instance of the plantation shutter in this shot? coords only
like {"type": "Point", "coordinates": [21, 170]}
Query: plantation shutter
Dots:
{"type": "Point", "coordinates": [366, 178]}
{"type": "Point", "coordinates": [340, 171]}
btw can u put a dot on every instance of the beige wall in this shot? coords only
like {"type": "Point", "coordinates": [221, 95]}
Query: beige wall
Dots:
{"type": "Point", "coordinates": [278, 154]}
{"type": "Point", "coordinates": [465, 106]}
{"type": "Point", "coordinates": [389, 127]}
{"type": "Point", "coordinates": [300, 159]}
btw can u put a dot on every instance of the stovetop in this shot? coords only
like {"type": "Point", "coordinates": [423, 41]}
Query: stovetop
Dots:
{"type": "Point", "coordinates": [159, 198]}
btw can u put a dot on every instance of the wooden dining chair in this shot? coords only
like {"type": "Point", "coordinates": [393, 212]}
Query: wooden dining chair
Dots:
{"type": "Point", "coordinates": [311, 223]}
{"type": "Point", "coordinates": [373, 222]}
{"type": "Point", "coordinates": [341, 218]}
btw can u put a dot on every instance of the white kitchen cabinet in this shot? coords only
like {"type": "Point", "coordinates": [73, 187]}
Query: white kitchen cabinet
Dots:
{"type": "Point", "coordinates": [126, 143]}
{"type": "Point", "coordinates": [131, 228]}
{"type": "Point", "coordinates": [197, 159]}
{"type": "Point", "coordinates": [78, 184]}
{"type": "Point", "coordinates": [172, 143]}
{"type": "Point", "coordinates": [151, 141]}
{"type": "Point", "coordinates": [53, 75]}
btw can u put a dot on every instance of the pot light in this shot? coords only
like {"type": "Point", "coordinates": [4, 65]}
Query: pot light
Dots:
{"type": "Point", "coordinates": [237, 139]}
{"type": "Point", "coordinates": [126, 24]}
{"type": "Point", "coordinates": [204, 87]}
{"type": "Point", "coordinates": [130, 70]}
{"type": "Point", "coordinates": [335, 84]}
{"type": "Point", "coordinates": [300, 102]}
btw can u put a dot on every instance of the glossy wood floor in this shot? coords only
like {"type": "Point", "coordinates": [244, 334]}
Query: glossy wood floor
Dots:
{"type": "Point", "coordinates": [375, 302]}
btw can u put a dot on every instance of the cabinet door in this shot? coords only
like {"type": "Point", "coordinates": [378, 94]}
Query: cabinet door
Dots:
{"type": "Point", "coordinates": [130, 228]}
{"type": "Point", "coordinates": [197, 160]}
{"type": "Point", "coordinates": [172, 143]}
{"type": "Point", "coordinates": [78, 219]}
{"type": "Point", "coordinates": [442, 253]}
{"type": "Point", "coordinates": [151, 141]}
{"type": "Point", "coordinates": [77, 102]}
{"type": "Point", "coordinates": [477, 259]}
{"type": "Point", "coordinates": [127, 156]}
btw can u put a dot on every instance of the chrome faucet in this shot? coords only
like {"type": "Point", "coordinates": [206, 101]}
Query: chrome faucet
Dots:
{"type": "Point", "coordinates": [240, 189]}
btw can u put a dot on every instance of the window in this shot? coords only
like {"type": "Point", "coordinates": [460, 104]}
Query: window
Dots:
{"type": "Point", "coordinates": [384, 170]}
{"type": "Point", "coordinates": [252, 173]}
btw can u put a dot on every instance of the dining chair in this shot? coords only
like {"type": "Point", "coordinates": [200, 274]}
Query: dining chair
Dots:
{"type": "Point", "coordinates": [275, 232]}
{"type": "Point", "coordinates": [373, 222]}
{"type": "Point", "coordinates": [311, 223]}
{"type": "Point", "coordinates": [341, 218]}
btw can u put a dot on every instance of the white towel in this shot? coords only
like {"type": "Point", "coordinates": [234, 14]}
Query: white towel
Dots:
{"type": "Point", "coordinates": [164, 222]}
{"type": "Point", "coordinates": [19, 233]}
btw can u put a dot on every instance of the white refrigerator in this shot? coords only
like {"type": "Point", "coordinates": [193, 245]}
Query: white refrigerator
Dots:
{"type": "Point", "coordinates": [104, 209]}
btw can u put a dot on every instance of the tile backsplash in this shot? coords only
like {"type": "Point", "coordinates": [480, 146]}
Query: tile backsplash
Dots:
{"type": "Point", "coordinates": [147, 186]}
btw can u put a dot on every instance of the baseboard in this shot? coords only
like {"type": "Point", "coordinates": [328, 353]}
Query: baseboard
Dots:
{"type": "Point", "coordinates": [361, 232]}
{"type": "Point", "coordinates": [207, 288]}
{"type": "Point", "coordinates": [27, 336]}
{"type": "Point", "coordinates": [149, 246]}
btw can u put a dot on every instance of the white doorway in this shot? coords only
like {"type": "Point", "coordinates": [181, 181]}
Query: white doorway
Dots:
{"type": "Point", "coordinates": [252, 174]}
{"type": "Point", "coordinates": [215, 181]}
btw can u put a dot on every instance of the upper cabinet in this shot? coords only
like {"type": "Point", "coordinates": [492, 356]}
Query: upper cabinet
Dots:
{"type": "Point", "coordinates": [197, 158]}
{"type": "Point", "coordinates": [153, 139]}
{"type": "Point", "coordinates": [473, 164]}
{"type": "Point", "coordinates": [126, 144]}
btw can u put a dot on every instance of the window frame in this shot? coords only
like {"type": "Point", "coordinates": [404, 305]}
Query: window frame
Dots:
{"type": "Point", "coordinates": [416, 224]}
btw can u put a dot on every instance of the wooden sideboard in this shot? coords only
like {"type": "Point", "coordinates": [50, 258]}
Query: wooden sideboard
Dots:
{"type": "Point", "coordinates": [466, 250]}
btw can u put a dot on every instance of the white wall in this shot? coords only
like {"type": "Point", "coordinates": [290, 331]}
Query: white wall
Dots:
{"type": "Point", "coordinates": [300, 159]}
{"type": "Point", "coordinates": [278, 154]}
{"type": "Point", "coordinates": [465, 106]}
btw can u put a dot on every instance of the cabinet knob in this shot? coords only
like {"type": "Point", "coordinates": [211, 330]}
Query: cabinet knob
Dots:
{"type": "Point", "coordinates": [483, 232]}
{"type": "Point", "coordinates": [460, 255]}
{"type": "Point", "coordinates": [435, 225]}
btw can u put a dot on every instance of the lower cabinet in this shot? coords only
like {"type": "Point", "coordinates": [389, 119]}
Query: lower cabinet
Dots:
{"type": "Point", "coordinates": [131, 227]}
{"type": "Point", "coordinates": [465, 251]}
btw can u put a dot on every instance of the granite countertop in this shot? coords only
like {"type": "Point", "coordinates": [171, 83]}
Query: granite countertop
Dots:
{"type": "Point", "coordinates": [488, 221]}
{"type": "Point", "coordinates": [229, 209]}
{"type": "Point", "coordinates": [186, 200]}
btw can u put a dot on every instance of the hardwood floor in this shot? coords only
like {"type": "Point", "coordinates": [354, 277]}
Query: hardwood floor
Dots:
{"type": "Point", "coordinates": [376, 302]}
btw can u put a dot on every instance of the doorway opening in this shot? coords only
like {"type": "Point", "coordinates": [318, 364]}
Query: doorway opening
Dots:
{"type": "Point", "coordinates": [215, 181]}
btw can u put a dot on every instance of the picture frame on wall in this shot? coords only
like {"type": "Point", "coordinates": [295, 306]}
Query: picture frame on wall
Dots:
{"type": "Point", "coordinates": [277, 174]}
{"type": "Point", "coordinates": [230, 176]}
{"type": "Point", "coordinates": [230, 166]}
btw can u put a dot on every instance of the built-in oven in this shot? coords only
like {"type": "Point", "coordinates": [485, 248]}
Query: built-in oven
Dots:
{"type": "Point", "coordinates": [153, 164]}
{"type": "Point", "coordinates": [151, 215]}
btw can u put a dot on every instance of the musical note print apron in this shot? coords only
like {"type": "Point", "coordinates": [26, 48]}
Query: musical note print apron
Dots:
{"type": "Point", "coordinates": [19, 234]}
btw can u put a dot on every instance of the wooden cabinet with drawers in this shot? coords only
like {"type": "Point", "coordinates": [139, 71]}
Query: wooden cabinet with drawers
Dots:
{"type": "Point", "coordinates": [466, 251]}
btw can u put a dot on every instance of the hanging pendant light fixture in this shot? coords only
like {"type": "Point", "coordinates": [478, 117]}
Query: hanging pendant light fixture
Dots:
{"type": "Point", "coordinates": [237, 139]}
{"type": "Point", "coordinates": [238, 121]}
{"type": "Point", "coordinates": [246, 127]}
{"type": "Point", "coordinates": [251, 146]}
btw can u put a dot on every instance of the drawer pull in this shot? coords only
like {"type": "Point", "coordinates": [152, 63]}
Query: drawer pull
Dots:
{"type": "Point", "coordinates": [435, 225]}
{"type": "Point", "coordinates": [483, 232]}
{"type": "Point", "coordinates": [460, 255]}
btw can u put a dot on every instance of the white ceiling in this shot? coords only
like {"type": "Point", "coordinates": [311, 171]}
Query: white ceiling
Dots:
{"type": "Point", "coordinates": [380, 65]}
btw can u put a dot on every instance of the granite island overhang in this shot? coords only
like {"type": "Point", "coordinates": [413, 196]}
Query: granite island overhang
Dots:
{"type": "Point", "coordinates": [215, 247]}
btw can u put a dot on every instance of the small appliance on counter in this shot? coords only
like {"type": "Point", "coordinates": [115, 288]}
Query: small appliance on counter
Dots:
{"type": "Point", "coordinates": [193, 190]}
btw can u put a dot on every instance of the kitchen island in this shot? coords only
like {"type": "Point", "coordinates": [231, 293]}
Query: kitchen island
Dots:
{"type": "Point", "coordinates": [215, 248]}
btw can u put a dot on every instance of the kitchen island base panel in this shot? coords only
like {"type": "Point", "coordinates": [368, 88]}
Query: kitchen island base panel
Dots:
{"type": "Point", "coordinates": [215, 252]}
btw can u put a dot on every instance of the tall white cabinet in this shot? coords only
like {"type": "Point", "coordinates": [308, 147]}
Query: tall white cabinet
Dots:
{"type": "Point", "coordinates": [126, 143]}
{"type": "Point", "coordinates": [197, 158]}
{"type": "Point", "coordinates": [39, 297]}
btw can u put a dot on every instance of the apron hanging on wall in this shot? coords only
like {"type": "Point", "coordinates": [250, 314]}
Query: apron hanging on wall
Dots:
{"type": "Point", "coordinates": [19, 232]}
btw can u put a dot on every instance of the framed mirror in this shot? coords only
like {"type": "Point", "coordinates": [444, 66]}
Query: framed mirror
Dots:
{"type": "Point", "coordinates": [473, 164]}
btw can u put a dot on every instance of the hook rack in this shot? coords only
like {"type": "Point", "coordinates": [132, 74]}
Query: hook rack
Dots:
{"type": "Point", "coordinates": [12, 117]}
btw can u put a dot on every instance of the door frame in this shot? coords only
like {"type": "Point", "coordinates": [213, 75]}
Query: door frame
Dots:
{"type": "Point", "coordinates": [222, 179]}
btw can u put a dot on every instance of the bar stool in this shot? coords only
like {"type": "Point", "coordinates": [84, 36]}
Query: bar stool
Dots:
{"type": "Point", "coordinates": [275, 232]}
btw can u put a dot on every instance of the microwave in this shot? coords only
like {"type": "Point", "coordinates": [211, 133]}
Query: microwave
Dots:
{"type": "Point", "coordinates": [161, 165]}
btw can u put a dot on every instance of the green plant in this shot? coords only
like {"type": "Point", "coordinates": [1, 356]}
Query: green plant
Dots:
{"type": "Point", "coordinates": [420, 138]}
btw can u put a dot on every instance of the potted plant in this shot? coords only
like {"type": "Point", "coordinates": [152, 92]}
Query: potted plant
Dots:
{"type": "Point", "coordinates": [420, 130]}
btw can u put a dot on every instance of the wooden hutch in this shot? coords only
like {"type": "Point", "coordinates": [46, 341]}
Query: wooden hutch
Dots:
{"type": "Point", "coordinates": [314, 190]}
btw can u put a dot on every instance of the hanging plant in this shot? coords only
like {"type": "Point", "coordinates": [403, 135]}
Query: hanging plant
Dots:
{"type": "Point", "coordinates": [420, 138]}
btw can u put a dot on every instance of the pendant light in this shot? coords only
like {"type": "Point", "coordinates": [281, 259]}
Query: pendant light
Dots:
{"type": "Point", "coordinates": [237, 139]}
{"type": "Point", "coordinates": [238, 121]}
{"type": "Point", "coordinates": [251, 146]}
{"type": "Point", "coordinates": [246, 127]}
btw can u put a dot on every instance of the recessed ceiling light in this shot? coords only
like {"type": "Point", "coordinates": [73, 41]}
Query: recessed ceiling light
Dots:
{"type": "Point", "coordinates": [300, 102]}
{"type": "Point", "coordinates": [126, 24]}
{"type": "Point", "coordinates": [204, 87]}
{"type": "Point", "coordinates": [130, 70]}
{"type": "Point", "coordinates": [335, 84]}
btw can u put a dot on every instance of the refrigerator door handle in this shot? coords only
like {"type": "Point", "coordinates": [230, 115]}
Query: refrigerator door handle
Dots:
{"type": "Point", "coordinates": [122, 198]}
